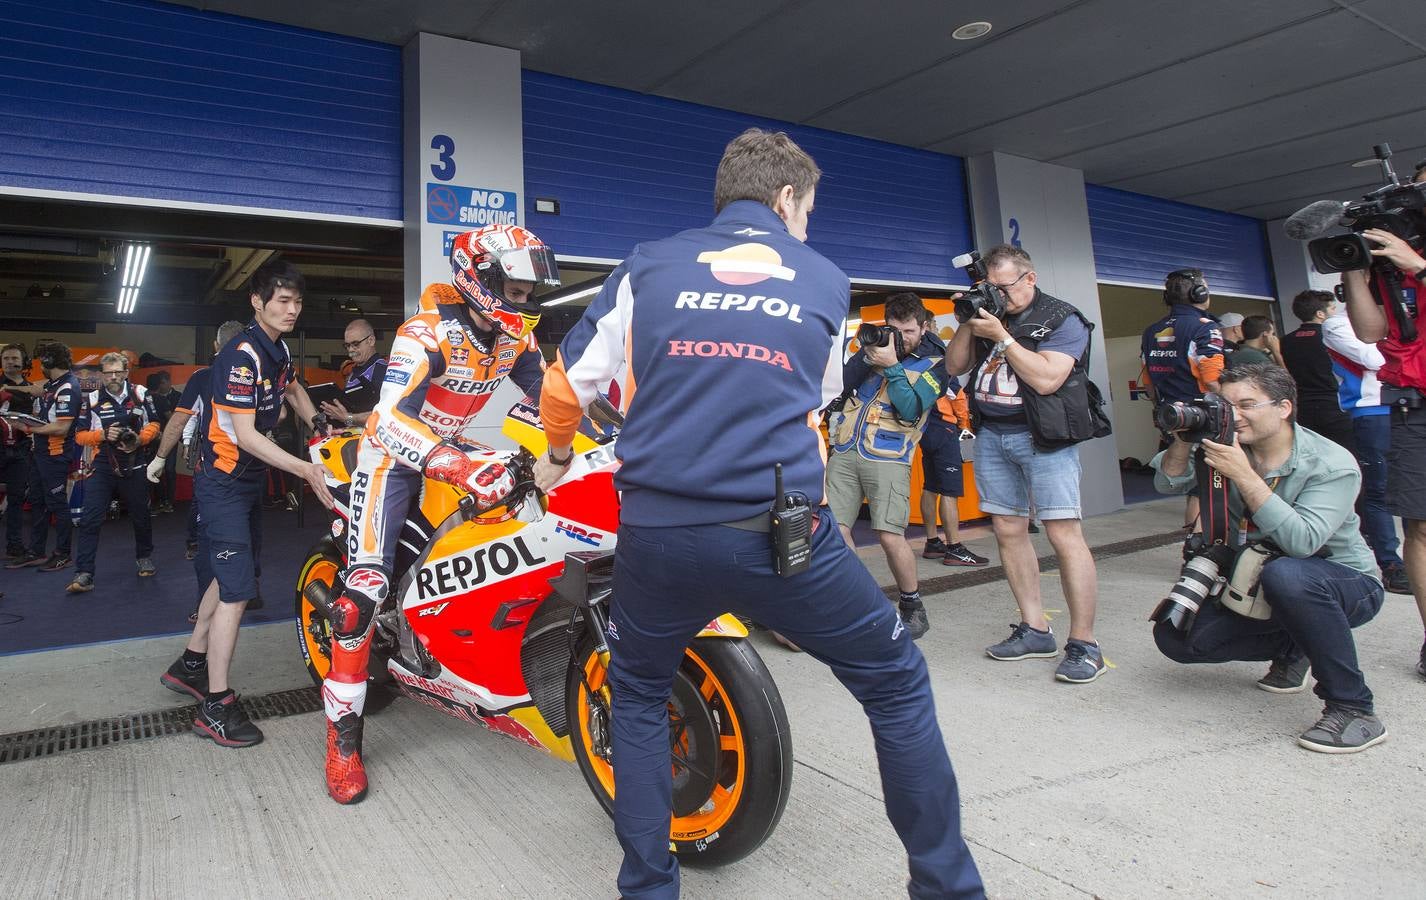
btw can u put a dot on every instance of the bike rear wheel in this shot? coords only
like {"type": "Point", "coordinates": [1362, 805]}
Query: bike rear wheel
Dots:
{"type": "Point", "coordinates": [314, 629]}
{"type": "Point", "coordinates": [730, 743]}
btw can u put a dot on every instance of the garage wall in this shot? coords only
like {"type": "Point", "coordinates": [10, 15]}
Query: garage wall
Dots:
{"type": "Point", "coordinates": [629, 167]}
{"type": "Point", "coordinates": [1139, 239]}
{"type": "Point", "coordinates": [126, 98]}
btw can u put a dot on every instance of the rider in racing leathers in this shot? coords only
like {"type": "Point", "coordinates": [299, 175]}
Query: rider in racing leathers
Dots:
{"type": "Point", "coordinates": [445, 363]}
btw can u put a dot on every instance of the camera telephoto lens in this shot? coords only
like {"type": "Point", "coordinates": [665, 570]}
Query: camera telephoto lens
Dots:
{"type": "Point", "coordinates": [1180, 417]}
{"type": "Point", "coordinates": [869, 335]}
{"type": "Point", "coordinates": [1195, 583]}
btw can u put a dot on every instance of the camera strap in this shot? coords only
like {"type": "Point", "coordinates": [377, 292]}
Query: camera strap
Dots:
{"type": "Point", "coordinates": [1212, 500]}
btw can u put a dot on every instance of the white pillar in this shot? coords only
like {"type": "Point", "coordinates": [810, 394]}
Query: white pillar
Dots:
{"type": "Point", "coordinates": [463, 158]}
{"type": "Point", "coordinates": [1042, 208]}
{"type": "Point", "coordinates": [1292, 271]}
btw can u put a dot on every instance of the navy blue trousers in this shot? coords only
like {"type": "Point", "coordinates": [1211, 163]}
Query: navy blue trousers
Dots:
{"type": "Point", "coordinates": [15, 472]}
{"type": "Point", "coordinates": [49, 476]}
{"type": "Point", "coordinates": [99, 489]}
{"type": "Point", "coordinates": [669, 583]}
{"type": "Point", "coordinates": [1373, 441]}
{"type": "Point", "coordinates": [1315, 605]}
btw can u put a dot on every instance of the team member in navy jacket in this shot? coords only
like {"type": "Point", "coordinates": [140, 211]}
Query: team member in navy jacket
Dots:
{"type": "Point", "coordinates": [732, 335]}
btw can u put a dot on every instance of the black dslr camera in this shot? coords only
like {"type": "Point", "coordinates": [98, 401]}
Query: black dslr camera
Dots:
{"type": "Point", "coordinates": [127, 441]}
{"type": "Point", "coordinates": [1397, 206]}
{"type": "Point", "coordinates": [879, 336]}
{"type": "Point", "coordinates": [1195, 421]}
{"type": "Point", "coordinates": [982, 295]}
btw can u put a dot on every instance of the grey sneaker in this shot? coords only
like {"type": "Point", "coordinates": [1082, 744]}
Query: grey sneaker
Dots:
{"type": "Point", "coordinates": [146, 567]}
{"type": "Point", "coordinates": [1286, 676]}
{"type": "Point", "coordinates": [1082, 663]}
{"type": "Point", "coordinates": [83, 583]}
{"type": "Point", "coordinates": [1025, 643]}
{"type": "Point", "coordinates": [913, 616]}
{"type": "Point", "coordinates": [1343, 729]}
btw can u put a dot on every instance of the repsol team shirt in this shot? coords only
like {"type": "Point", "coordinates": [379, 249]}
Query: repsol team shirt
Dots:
{"type": "Point", "coordinates": [62, 401]}
{"type": "Point", "coordinates": [1183, 353]}
{"type": "Point", "coordinates": [248, 377]}
{"type": "Point", "coordinates": [732, 338]}
{"type": "Point", "coordinates": [134, 408]}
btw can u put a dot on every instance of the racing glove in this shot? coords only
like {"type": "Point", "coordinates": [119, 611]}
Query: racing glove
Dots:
{"type": "Point", "coordinates": [482, 473]}
{"type": "Point", "coordinates": [155, 469]}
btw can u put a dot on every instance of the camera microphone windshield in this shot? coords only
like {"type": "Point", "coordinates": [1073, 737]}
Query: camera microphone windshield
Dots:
{"type": "Point", "coordinates": [1314, 220]}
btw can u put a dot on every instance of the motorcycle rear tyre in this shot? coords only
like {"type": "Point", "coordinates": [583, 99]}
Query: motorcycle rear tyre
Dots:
{"type": "Point", "coordinates": [754, 764]}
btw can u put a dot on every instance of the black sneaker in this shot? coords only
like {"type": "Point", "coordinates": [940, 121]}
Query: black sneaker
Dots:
{"type": "Point", "coordinates": [1393, 578]}
{"type": "Point", "coordinates": [959, 554]}
{"type": "Point", "coordinates": [184, 680]}
{"type": "Point", "coordinates": [1343, 729]}
{"type": "Point", "coordinates": [934, 547]}
{"type": "Point", "coordinates": [14, 552]}
{"type": "Point", "coordinates": [1286, 676]}
{"type": "Point", "coordinates": [55, 563]}
{"type": "Point", "coordinates": [25, 560]}
{"type": "Point", "coordinates": [913, 616]}
{"type": "Point", "coordinates": [1032, 527]}
{"type": "Point", "coordinates": [226, 723]}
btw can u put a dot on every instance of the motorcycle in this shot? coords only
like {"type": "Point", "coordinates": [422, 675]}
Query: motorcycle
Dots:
{"type": "Point", "coordinates": [499, 618]}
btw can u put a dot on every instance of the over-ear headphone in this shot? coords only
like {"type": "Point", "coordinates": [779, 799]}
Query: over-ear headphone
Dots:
{"type": "Point", "coordinates": [1199, 291]}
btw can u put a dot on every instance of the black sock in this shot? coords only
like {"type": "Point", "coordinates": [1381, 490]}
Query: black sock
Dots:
{"type": "Point", "coordinates": [194, 661]}
{"type": "Point", "coordinates": [213, 699]}
{"type": "Point", "coordinates": [911, 599]}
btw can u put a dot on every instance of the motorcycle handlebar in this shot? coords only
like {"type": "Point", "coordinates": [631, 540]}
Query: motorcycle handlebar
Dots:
{"type": "Point", "coordinates": [523, 464]}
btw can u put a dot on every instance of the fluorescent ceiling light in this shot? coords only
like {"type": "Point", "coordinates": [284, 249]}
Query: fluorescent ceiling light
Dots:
{"type": "Point", "coordinates": [136, 266]}
{"type": "Point", "coordinates": [574, 296]}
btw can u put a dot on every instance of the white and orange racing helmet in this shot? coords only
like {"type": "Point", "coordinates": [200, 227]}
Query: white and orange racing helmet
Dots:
{"type": "Point", "coordinates": [483, 262]}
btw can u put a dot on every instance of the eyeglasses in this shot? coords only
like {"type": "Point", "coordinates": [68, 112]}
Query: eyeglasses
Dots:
{"type": "Point", "coordinates": [1006, 287]}
{"type": "Point", "coordinates": [1257, 404]}
{"type": "Point", "coordinates": [115, 372]}
{"type": "Point", "coordinates": [352, 345]}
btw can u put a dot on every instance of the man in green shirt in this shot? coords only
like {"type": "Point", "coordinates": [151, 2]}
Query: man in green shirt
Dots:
{"type": "Point", "coordinates": [1259, 343]}
{"type": "Point", "coordinates": [1294, 489]}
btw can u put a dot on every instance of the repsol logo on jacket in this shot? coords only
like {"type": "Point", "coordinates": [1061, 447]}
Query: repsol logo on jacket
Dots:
{"type": "Point", "coordinates": [466, 572]}
{"type": "Point", "coordinates": [772, 306]}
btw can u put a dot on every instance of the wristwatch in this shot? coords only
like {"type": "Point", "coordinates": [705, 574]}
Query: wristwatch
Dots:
{"type": "Point", "coordinates": [560, 462]}
{"type": "Point", "coordinates": [351, 420]}
{"type": "Point", "coordinates": [1004, 344]}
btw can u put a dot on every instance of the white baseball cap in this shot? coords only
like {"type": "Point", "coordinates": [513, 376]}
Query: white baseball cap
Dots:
{"type": "Point", "coordinates": [1230, 319]}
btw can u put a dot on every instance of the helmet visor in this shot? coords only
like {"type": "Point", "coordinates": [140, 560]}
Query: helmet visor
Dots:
{"type": "Point", "coordinates": [535, 264]}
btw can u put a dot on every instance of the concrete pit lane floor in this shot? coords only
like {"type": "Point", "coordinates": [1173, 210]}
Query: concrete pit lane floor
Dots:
{"type": "Point", "coordinates": [1157, 781]}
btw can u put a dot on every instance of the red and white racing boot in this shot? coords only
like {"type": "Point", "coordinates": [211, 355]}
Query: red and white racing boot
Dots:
{"type": "Point", "coordinates": [346, 777]}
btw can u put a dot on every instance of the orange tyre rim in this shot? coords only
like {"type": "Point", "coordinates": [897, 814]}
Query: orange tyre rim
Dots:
{"type": "Point", "coordinates": [318, 568]}
{"type": "Point", "coordinates": [723, 801]}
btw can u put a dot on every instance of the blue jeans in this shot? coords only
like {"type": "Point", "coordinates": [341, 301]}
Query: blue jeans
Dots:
{"type": "Point", "coordinates": [99, 489]}
{"type": "Point", "coordinates": [1009, 472]}
{"type": "Point", "coordinates": [1373, 441]}
{"type": "Point", "coordinates": [1315, 605]}
{"type": "Point", "coordinates": [669, 583]}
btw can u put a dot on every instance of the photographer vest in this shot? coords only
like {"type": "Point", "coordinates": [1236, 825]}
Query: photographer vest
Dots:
{"type": "Point", "coordinates": [868, 421]}
{"type": "Point", "coordinates": [1074, 412]}
{"type": "Point", "coordinates": [133, 410]}
{"type": "Point", "coordinates": [1405, 361]}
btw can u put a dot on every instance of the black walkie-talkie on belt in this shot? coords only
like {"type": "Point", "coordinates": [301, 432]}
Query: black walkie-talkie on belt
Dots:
{"type": "Point", "coordinates": [791, 530]}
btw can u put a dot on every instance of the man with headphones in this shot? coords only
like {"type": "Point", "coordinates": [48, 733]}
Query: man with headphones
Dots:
{"type": "Point", "coordinates": [1183, 351]}
{"type": "Point", "coordinates": [15, 446]}
{"type": "Point", "coordinates": [54, 453]}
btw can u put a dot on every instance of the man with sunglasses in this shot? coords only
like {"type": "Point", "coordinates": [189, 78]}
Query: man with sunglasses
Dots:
{"type": "Point", "coordinates": [365, 371]}
{"type": "Point", "coordinates": [1294, 490]}
{"type": "Point", "coordinates": [1027, 414]}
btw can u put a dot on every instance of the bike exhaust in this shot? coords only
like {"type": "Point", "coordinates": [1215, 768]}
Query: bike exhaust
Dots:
{"type": "Point", "coordinates": [320, 595]}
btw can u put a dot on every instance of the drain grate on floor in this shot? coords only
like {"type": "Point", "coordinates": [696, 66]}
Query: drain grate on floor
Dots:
{"type": "Point", "coordinates": [42, 742]}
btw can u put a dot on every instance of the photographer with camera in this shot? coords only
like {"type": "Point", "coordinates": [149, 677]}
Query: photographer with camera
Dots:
{"type": "Point", "coordinates": [1290, 495]}
{"type": "Point", "coordinates": [1030, 404]}
{"type": "Point", "coordinates": [1183, 351]}
{"type": "Point", "coordinates": [1384, 306]}
{"type": "Point", "coordinates": [116, 420]}
{"type": "Point", "coordinates": [890, 387]}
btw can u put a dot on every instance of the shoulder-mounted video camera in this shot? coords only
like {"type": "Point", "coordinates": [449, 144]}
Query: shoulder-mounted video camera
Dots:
{"type": "Point", "coordinates": [1397, 206]}
{"type": "Point", "coordinates": [982, 294]}
{"type": "Point", "coordinates": [869, 335]}
{"type": "Point", "coordinates": [1195, 421]}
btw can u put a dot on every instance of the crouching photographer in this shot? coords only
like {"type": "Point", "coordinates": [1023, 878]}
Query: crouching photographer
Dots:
{"type": "Point", "coordinates": [1304, 579]}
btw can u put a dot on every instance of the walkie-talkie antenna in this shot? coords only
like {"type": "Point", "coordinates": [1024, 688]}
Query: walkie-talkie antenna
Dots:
{"type": "Point", "coordinates": [779, 502]}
